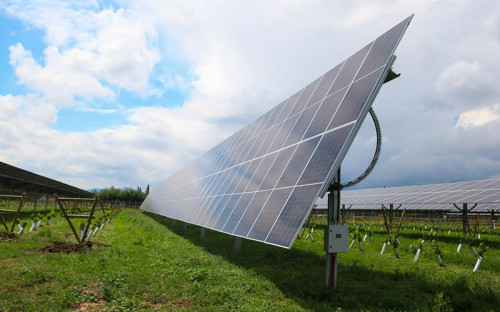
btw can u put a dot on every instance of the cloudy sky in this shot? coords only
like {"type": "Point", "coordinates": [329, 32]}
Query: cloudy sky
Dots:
{"type": "Point", "coordinates": [125, 93]}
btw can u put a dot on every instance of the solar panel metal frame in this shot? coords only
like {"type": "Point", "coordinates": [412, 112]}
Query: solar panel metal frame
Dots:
{"type": "Point", "coordinates": [214, 184]}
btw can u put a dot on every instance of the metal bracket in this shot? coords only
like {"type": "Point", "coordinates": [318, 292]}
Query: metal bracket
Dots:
{"type": "Point", "coordinates": [335, 187]}
{"type": "Point", "coordinates": [391, 75]}
{"type": "Point", "coordinates": [460, 209]}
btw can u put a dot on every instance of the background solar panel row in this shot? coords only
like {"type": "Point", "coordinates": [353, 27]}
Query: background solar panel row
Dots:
{"type": "Point", "coordinates": [486, 193]}
{"type": "Point", "coordinates": [261, 182]}
{"type": "Point", "coordinates": [14, 179]}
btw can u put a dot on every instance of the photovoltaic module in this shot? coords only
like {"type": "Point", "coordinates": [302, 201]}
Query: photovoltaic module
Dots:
{"type": "Point", "coordinates": [485, 193]}
{"type": "Point", "coordinates": [262, 182]}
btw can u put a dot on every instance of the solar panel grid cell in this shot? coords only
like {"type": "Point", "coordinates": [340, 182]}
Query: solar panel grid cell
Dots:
{"type": "Point", "coordinates": [324, 156]}
{"type": "Point", "coordinates": [298, 162]}
{"type": "Point", "coordinates": [252, 212]}
{"type": "Point", "coordinates": [304, 97]}
{"type": "Point", "coordinates": [491, 197]}
{"type": "Point", "coordinates": [284, 114]}
{"type": "Point", "coordinates": [350, 69]}
{"type": "Point", "coordinates": [325, 113]}
{"type": "Point", "coordinates": [465, 196]}
{"type": "Point", "coordinates": [277, 168]}
{"type": "Point", "coordinates": [284, 132]}
{"type": "Point", "coordinates": [301, 125]}
{"type": "Point", "coordinates": [237, 212]}
{"type": "Point", "coordinates": [380, 51]}
{"type": "Point", "coordinates": [207, 206]}
{"type": "Point", "coordinates": [324, 85]}
{"type": "Point", "coordinates": [264, 222]}
{"type": "Point", "coordinates": [292, 215]}
{"type": "Point", "coordinates": [272, 118]}
{"type": "Point", "coordinates": [352, 105]}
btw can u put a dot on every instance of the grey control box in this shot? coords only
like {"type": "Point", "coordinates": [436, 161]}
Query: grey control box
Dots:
{"type": "Point", "coordinates": [337, 238]}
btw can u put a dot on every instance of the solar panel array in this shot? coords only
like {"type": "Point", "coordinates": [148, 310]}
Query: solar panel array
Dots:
{"type": "Point", "coordinates": [262, 182]}
{"type": "Point", "coordinates": [14, 179]}
{"type": "Point", "coordinates": [486, 193]}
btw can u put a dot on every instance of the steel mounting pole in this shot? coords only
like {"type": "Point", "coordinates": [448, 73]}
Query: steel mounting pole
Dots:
{"type": "Point", "coordinates": [333, 219]}
{"type": "Point", "coordinates": [492, 220]}
{"type": "Point", "coordinates": [391, 216]}
{"type": "Point", "coordinates": [464, 219]}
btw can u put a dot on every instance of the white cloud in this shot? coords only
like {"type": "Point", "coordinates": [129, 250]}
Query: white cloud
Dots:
{"type": "Point", "coordinates": [245, 57]}
{"type": "Point", "coordinates": [89, 54]}
{"type": "Point", "coordinates": [465, 83]}
{"type": "Point", "coordinates": [242, 46]}
{"type": "Point", "coordinates": [478, 117]}
{"type": "Point", "coordinates": [58, 79]}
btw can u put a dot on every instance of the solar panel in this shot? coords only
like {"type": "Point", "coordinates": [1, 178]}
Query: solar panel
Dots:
{"type": "Point", "coordinates": [262, 182]}
{"type": "Point", "coordinates": [486, 193]}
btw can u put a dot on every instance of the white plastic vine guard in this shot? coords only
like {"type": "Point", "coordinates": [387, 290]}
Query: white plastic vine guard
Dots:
{"type": "Point", "coordinates": [478, 262]}
{"type": "Point", "coordinates": [417, 255]}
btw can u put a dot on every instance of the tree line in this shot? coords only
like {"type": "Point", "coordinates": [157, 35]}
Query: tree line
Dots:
{"type": "Point", "coordinates": [122, 194]}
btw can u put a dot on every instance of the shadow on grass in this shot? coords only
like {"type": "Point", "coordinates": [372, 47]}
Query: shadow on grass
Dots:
{"type": "Point", "coordinates": [300, 274]}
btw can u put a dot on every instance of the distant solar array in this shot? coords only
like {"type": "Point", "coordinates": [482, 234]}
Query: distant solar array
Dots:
{"type": "Point", "coordinates": [262, 182]}
{"type": "Point", "coordinates": [486, 193]}
{"type": "Point", "coordinates": [20, 180]}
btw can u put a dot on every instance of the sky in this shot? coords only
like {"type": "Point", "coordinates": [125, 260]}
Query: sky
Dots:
{"type": "Point", "coordinates": [126, 93]}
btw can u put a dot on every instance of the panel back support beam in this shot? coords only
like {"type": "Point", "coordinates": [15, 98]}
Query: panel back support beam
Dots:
{"type": "Point", "coordinates": [464, 219]}
{"type": "Point", "coordinates": [237, 244]}
{"type": "Point", "coordinates": [202, 234]}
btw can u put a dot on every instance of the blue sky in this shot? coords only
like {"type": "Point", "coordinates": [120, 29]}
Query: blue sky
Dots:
{"type": "Point", "coordinates": [125, 93]}
{"type": "Point", "coordinates": [78, 118]}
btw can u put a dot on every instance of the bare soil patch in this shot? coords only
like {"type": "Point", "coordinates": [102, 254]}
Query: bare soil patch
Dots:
{"type": "Point", "coordinates": [67, 247]}
{"type": "Point", "coordinates": [99, 305]}
{"type": "Point", "coordinates": [7, 235]}
{"type": "Point", "coordinates": [171, 302]}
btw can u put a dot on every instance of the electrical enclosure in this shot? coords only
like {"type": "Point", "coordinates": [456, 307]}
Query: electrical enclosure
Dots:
{"type": "Point", "coordinates": [338, 238]}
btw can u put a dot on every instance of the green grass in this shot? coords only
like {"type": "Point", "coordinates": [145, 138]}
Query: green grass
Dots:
{"type": "Point", "coordinates": [153, 264]}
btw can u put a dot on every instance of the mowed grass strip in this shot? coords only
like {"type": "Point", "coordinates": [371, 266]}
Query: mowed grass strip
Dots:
{"type": "Point", "coordinates": [153, 264]}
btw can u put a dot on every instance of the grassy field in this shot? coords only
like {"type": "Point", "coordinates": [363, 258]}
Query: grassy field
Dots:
{"type": "Point", "coordinates": [146, 262]}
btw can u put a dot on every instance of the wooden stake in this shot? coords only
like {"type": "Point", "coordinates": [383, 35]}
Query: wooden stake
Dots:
{"type": "Point", "coordinates": [67, 218]}
{"type": "Point", "coordinates": [3, 222]}
{"type": "Point", "coordinates": [16, 212]}
{"type": "Point", "coordinates": [400, 222]}
{"type": "Point", "coordinates": [90, 218]}
{"type": "Point", "coordinates": [385, 221]}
